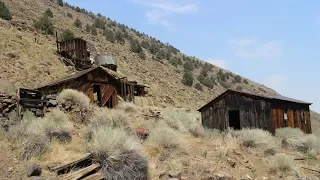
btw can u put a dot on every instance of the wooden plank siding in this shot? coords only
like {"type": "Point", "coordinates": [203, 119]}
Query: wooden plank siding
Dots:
{"type": "Point", "coordinates": [255, 112]}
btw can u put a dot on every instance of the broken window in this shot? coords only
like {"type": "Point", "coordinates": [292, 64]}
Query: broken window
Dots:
{"type": "Point", "coordinates": [303, 119]}
{"type": "Point", "coordinates": [285, 118]}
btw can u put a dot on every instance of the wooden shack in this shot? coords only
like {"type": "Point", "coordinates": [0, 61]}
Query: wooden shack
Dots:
{"type": "Point", "coordinates": [100, 84]}
{"type": "Point", "coordinates": [237, 110]}
{"type": "Point", "coordinates": [76, 50]}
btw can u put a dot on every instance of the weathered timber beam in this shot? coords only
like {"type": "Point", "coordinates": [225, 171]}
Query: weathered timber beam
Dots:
{"type": "Point", "coordinates": [82, 172]}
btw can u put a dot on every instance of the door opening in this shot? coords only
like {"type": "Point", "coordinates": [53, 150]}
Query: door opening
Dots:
{"type": "Point", "coordinates": [97, 94]}
{"type": "Point", "coordinates": [234, 119]}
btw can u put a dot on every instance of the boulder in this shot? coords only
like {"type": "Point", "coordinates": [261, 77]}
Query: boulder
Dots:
{"type": "Point", "coordinates": [34, 170]}
{"type": "Point", "coordinates": [174, 174]}
{"type": "Point", "coordinates": [52, 102]}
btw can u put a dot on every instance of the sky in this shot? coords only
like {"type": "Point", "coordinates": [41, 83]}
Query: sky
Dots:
{"type": "Point", "coordinates": [275, 43]}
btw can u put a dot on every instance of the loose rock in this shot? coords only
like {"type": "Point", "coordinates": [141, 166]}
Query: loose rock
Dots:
{"type": "Point", "coordinates": [34, 170]}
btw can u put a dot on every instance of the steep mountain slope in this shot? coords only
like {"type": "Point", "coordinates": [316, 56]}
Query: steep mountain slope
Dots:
{"type": "Point", "coordinates": [29, 57]}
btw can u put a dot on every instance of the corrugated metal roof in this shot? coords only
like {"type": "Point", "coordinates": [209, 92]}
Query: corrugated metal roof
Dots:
{"type": "Point", "coordinates": [271, 97]}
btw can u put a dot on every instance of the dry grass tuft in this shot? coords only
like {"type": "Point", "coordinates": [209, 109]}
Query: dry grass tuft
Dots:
{"type": "Point", "coordinates": [75, 97]}
{"type": "Point", "coordinates": [296, 139]}
{"type": "Point", "coordinates": [32, 135]}
{"type": "Point", "coordinates": [255, 138]}
{"type": "Point", "coordinates": [7, 87]}
{"type": "Point", "coordinates": [128, 107]}
{"type": "Point", "coordinates": [288, 132]}
{"type": "Point", "coordinates": [163, 136]}
{"type": "Point", "coordinates": [183, 121]}
{"type": "Point", "coordinates": [118, 153]}
{"type": "Point", "coordinates": [108, 117]}
{"type": "Point", "coordinates": [283, 163]}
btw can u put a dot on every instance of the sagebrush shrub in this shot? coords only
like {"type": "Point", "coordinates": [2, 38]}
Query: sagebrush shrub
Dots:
{"type": "Point", "coordinates": [118, 153]}
{"type": "Point", "coordinates": [75, 97]}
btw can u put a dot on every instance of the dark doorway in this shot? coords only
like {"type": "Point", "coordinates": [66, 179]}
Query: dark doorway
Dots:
{"type": "Point", "coordinates": [97, 94]}
{"type": "Point", "coordinates": [234, 119]}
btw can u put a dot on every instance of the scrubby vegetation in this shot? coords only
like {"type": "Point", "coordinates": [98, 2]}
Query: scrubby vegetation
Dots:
{"type": "Point", "coordinates": [32, 135]}
{"type": "Point", "coordinates": [48, 13]}
{"type": "Point", "coordinates": [44, 24]}
{"type": "Point", "coordinates": [4, 12]}
{"type": "Point", "coordinates": [75, 97]}
{"type": "Point", "coordinates": [67, 35]}
{"type": "Point", "coordinates": [7, 87]}
{"type": "Point", "coordinates": [119, 154]}
{"type": "Point", "coordinates": [187, 79]}
{"type": "Point", "coordinates": [77, 23]}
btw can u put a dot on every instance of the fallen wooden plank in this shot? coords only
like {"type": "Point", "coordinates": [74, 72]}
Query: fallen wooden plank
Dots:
{"type": "Point", "coordinates": [96, 176]}
{"type": "Point", "coordinates": [68, 164]}
{"type": "Point", "coordinates": [311, 169]}
{"type": "Point", "coordinates": [82, 172]}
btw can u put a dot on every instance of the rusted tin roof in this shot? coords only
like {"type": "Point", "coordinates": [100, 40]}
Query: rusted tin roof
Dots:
{"type": "Point", "coordinates": [75, 75]}
{"type": "Point", "coordinates": [269, 97]}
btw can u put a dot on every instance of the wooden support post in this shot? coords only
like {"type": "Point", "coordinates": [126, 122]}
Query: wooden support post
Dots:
{"type": "Point", "coordinates": [125, 92]}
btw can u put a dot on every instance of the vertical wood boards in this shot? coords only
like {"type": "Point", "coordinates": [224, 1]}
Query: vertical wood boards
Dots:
{"type": "Point", "coordinates": [255, 112]}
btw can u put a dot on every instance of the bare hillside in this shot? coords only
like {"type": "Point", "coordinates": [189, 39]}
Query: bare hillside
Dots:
{"type": "Point", "coordinates": [35, 62]}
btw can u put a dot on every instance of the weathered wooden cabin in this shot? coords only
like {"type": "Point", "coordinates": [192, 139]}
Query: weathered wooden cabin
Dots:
{"type": "Point", "coordinates": [100, 84]}
{"type": "Point", "coordinates": [76, 50]}
{"type": "Point", "coordinates": [236, 109]}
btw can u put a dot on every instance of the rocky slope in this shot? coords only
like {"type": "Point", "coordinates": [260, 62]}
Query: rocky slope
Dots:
{"type": "Point", "coordinates": [29, 57]}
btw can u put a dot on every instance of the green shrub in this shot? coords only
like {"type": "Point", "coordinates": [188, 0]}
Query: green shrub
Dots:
{"type": "Point", "coordinates": [145, 44]}
{"type": "Point", "coordinates": [221, 76]}
{"type": "Point", "coordinates": [187, 79]}
{"type": "Point", "coordinates": [188, 66]}
{"type": "Point", "coordinates": [4, 12]}
{"type": "Point", "coordinates": [175, 61]}
{"type": "Point", "coordinates": [75, 97]}
{"type": "Point", "coordinates": [78, 9]}
{"type": "Point", "coordinates": [237, 79]}
{"type": "Point", "coordinates": [119, 37]}
{"type": "Point", "coordinates": [70, 15]}
{"type": "Point", "coordinates": [154, 48]}
{"type": "Point", "coordinates": [88, 28]}
{"type": "Point", "coordinates": [60, 2]}
{"type": "Point", "coordinates": [94, 30]}
{"type": "Point", "coordinates": [161, 54]}
{"type": "Point", "coordinates": [206, 81]}
{"type": "Point", "coordinates": [142, 55]}
{"type": "Point", "coordinates": [45, 25]}
{"type": "Point", "coordinates": [77, 23]}
{"type": "Point", "coordinates": [48, 13]}
{"type": "Point", "coordinates": [198, 86]}
{"type": "Point", "coordinates": [135, 46]}
{"type": "Point", "coordinates": [109, 35]}
{"type": "Point", "coordinates": [245, 81]}
{"type": "Point", "coordinates": [67, 35]}
{"type": "Point", "coordinates": [99, 23]}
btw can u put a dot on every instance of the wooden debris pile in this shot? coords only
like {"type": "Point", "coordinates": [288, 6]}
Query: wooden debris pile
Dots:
{"type": "Point", "coordinates": [81, 168]}
{"type": "Point", "coordinates": [7, 110]}
{"type": "Point", "coordinates": [152, 113]}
